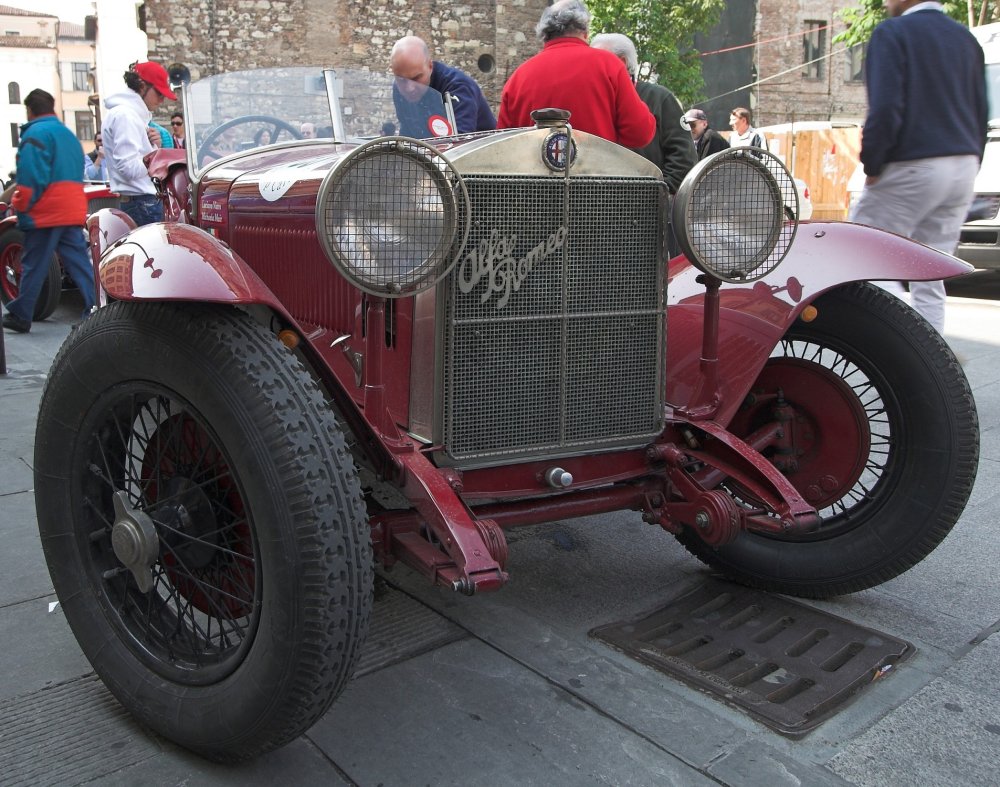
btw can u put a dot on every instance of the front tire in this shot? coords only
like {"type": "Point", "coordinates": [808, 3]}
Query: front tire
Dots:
{"type": "Point", "coordinates": [245, 619]}
{"type": "Point", "coordinates": [888, 440]}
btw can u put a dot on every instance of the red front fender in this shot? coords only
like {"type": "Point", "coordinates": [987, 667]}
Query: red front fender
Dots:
{"type": "Point", "coordinates": [180, 262]}
{"type": "Point", "coordinates": [755, 316]}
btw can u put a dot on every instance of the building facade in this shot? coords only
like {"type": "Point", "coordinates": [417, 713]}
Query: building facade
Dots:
{"type": "Point", "coordinates": [778, 58]}
{"type": "Point", "coordinates": [29, 58]}
{"type": "Point", "coordinates": [76, 78]}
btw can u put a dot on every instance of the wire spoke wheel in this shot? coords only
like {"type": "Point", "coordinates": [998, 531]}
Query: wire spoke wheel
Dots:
{"type": "Point", "coordinates": [200, 614]}
{"type": "Point", "coordinates": [11, 247]}
{"type": "Point", "coordinates": [842, 430]}
{"type": "Point", "coordinates": [203, 524]}
{"type": "Point", "coordinates": [885, 445]}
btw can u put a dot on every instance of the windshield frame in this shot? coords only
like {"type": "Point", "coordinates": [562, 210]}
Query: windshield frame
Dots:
{"type": "Point", "coordinates": [358, 105]}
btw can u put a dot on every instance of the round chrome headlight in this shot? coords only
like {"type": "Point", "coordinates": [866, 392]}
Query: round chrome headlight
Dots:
{"type": "Point", "coordinates": [736, 213]}
{"type": "Point", "coordinates": [392, 216]}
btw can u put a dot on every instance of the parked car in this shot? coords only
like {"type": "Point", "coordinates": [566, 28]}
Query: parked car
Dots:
{"type": "Point", "coordinates": [365, 348]}
{"type": "Point", "coordinates": [12, 243]}
{"type": "Point", "coordinates": [979, 242]}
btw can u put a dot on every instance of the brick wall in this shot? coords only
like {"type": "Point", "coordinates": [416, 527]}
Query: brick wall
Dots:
{"type": "Point", "coordinates": [794, 95]}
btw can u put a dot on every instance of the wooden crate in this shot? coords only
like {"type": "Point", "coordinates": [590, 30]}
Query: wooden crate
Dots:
{"type": "Point", "coordinates": [824, 156]}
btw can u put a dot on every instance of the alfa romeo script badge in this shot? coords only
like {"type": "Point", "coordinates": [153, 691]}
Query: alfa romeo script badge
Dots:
{"type": "Point", "coordinates": [554, 151]}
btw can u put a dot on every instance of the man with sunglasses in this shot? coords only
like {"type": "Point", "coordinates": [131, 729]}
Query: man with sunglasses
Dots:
{"type": "Point", "coordinates": [96, 166]}
{"type": "Point", "coordinates": [177, 129]}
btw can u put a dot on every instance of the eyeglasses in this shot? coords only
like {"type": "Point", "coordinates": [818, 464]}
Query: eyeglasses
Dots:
{"type": "Point", "coordinates": [176, 122]}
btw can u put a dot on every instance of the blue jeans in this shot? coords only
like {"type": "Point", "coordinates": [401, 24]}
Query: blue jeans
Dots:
{"type": "Point", "coordinates": [143, 208]}
{"type": "Point", "coordinates": [39, 244]}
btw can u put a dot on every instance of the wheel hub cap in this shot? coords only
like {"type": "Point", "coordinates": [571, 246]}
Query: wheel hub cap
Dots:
{"type": "Point", "coordinates": [135, 541]}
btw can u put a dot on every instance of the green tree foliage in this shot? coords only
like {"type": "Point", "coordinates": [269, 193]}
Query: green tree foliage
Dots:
{"type": "Point", "coordinates": [663, 32]}
{"type": "Point", "coordinates": [862, 18]}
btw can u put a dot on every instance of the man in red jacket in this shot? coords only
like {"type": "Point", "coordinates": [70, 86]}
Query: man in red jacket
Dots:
{"type": "Point", "coordinates": [569, 74]}
{"type": "Point", "coordinates": [51, 208]}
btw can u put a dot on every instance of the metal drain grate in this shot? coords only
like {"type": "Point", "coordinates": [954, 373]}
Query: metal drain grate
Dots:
{"type": "Point", "coordinates": [401, 629]}
{"type": "Point", "coordinates": [788, 665]}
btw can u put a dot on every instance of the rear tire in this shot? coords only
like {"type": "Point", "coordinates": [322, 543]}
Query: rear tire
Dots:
{"type": "Point", "coordinates": [261, 564]}
{"type": "Point", "coordinates": [11, 246]}
{"type": "Point", "coordinates": [869, 374]}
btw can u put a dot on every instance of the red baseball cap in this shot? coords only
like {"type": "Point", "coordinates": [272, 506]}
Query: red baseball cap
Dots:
{"type": "Point", "coordinates": [156, 75]}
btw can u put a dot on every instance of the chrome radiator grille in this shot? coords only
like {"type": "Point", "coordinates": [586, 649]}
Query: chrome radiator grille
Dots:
{"type": "Point", "coordinates": [554, 318]}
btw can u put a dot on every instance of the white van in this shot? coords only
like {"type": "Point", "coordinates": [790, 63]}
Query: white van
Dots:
{"type": "Point", "coordinates": [979, 242]}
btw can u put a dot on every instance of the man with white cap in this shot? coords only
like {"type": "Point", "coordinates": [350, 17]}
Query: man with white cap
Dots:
{"type": "Point", "coordinates": [706, 140]}
{"type": "Point", "coordinates": [670, 149]}
{"type": "Point", "coordinates": [126, 141]}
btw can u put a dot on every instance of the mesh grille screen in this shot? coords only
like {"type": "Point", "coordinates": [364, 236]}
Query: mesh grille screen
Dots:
{"type": "Point", "coordinates": [97, 203]}
{"type": "Point", "coordinates": [555, 338]}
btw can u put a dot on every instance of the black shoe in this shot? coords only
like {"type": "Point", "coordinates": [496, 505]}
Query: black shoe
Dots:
{"type": "Point", "coordinates": [15, 323]}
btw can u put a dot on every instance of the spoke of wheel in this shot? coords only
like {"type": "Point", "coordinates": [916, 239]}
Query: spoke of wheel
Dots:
{"type": "Point", "coordinates": [156, 443]}
{"type": "Point", "coordinates": [202, 585]}
{"type": "Point", "coordinates": [201, 540]}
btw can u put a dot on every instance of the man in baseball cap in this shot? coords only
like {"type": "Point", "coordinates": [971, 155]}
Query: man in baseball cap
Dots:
{"type": "Point", "coordinates": [126, 141]}
{"type": "Point", "coordinates": [706, 140]}
{"type": "Point", "coordinates": [155, 75]}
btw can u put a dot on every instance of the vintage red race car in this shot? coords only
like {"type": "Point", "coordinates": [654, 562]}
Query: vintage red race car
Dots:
{"type": "Point", "coordinates": [378, 348]}
{"type": "Point", "coordinates": [12, 242]}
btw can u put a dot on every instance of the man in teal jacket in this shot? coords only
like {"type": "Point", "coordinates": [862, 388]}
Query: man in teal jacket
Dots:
{"type": "Point", "coordinates": [51, 208]}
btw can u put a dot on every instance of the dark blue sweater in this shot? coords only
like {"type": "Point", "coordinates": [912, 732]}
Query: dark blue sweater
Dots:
{"type": "Point", "coordinates": [926, 91]}
{"type": "Point", "coordinates": [472, 111]}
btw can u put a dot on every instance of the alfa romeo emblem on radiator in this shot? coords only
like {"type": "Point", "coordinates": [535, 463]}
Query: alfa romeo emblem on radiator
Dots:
{"type": "Point", "coordinates": [554, 150]}
{"type": "Point", "coordinates": [493, 261]}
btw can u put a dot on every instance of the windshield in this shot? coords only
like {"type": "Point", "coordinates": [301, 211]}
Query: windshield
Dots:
{"type": "Point", "coordinates": [231, 113]}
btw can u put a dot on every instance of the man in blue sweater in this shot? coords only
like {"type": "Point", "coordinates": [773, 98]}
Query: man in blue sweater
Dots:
{"type": "Point", "coordinates": [411, 59]}
{"type": "Point", "coordinates": [51, 208]}
{"type": "Point", "coordinates": [924, 136]}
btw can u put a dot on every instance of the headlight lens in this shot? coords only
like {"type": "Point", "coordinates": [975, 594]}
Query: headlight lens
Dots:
{"type": "Point", "coordinates": [735, 214]}
{"type": "Point", "coordinates": [392, 216]}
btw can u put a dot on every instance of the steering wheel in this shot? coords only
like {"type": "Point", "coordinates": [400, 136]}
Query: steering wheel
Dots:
{"type": "Point", "coordinates": [207, 151]}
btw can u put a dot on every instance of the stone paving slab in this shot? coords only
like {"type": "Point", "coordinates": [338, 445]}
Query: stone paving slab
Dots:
{"type": "Point", "coordinates": [948, 733]}
{"type": "Point", "coordinates": [70, 733]}
{"type": "Point", "coordinates": [23, 572]}
{"type": "Point", "coordinates": [38, 649]}
{"type": "Point", "coordinates": [467, 714]}
{"type": "Point", "coordinates": [299, 764]}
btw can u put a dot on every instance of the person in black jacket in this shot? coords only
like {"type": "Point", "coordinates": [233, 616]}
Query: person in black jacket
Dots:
{"type": "Point", "coordinates": [924, 136]}
{"type": "Point", "coordinates": [671, 148]}
{"type": "Point", "coordinates": [706, 140]}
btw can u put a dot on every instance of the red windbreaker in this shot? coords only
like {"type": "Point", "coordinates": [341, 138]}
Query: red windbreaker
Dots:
{"type": "Point", "coordinates": [591, 83]}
